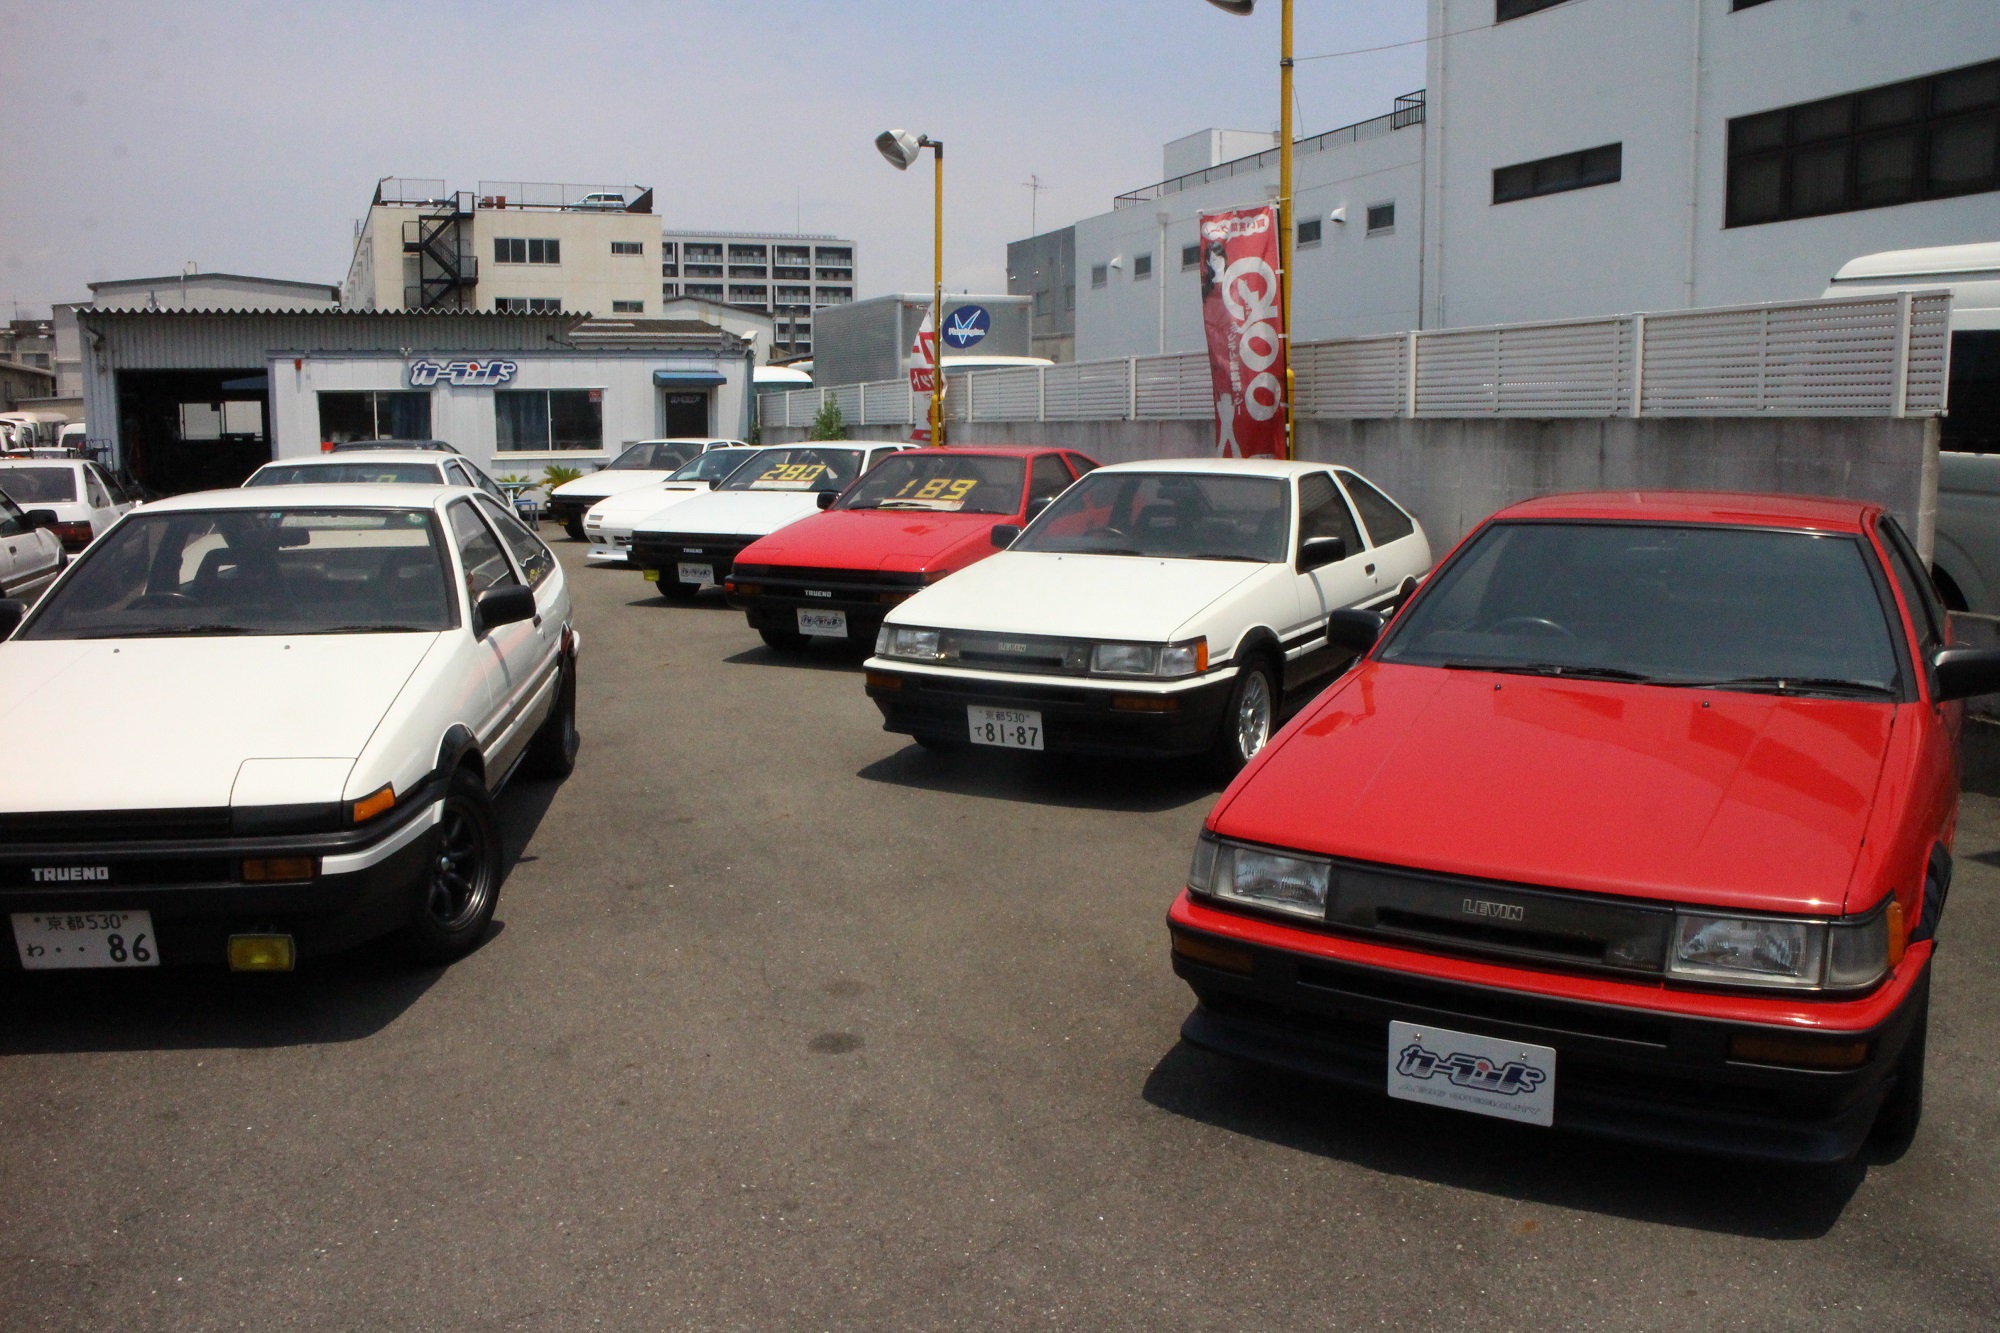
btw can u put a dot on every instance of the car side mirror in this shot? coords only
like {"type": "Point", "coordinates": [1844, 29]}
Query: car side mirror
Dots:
{"type": "Point", "coordinates": [1005, 534]}
{"type": "Point", "coordinates": [12, 610]}
{"type": "Point", "coordinates": [1353, 629]}
{"type": "Point", "coordinates": [41, 518]}
{"type": "Point", "coordinates": [1035, 508]}
{"type": "Point", "coordinates": [827, 498]}
{"type": "Point", "coordinates": [1317, 551]}
{"type": "Point", "coordinates": [504, 606]}
{"type": "Point", "coordinates": [1965, 672]}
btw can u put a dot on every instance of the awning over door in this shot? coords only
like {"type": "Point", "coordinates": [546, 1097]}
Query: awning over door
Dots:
{"type": "Point", "coordinates": [688, 379]}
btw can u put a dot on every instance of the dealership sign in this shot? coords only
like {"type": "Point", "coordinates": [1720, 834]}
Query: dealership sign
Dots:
{"type": "Point", "coordinates": [1242, 311]}
{"type": "Point", "coordinates": [462, 374]}
{"type": "Point", "coordinates": [966, 325]}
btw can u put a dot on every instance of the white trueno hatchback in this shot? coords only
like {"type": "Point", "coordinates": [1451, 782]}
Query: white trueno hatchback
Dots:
{"type": "Point", "coordinates": [647, 463]}
{"type": "Point", "coordinates": [314, 692]}
{"type": "Point", "coordinates": [1154, 608]}
{"type": "Point", "coordinates": [608, 524]}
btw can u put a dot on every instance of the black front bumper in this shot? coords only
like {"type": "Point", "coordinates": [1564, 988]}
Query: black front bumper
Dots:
{"type": "Point", "coordinates": [196, 895]}
{"type": "Point", "coordinates": [1075, 720]}
{"type": "Point", "coordinates": [566, 511]}
{"type": "Point", "coordinates": [771, 596]}
{"type": "Point", "coordinates": [668, 552]}
{"type": "Point", "coordinates": [1641, 1076]}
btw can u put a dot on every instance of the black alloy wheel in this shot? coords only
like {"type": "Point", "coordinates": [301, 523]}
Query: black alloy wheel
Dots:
{"type": "Point", "coordinates": [461, 885]}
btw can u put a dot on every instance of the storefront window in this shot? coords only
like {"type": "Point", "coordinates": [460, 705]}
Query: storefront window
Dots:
{"type": "Point", "coordinates": [372, 415]}
{"type": "Point", "coordinates": [533, 420]}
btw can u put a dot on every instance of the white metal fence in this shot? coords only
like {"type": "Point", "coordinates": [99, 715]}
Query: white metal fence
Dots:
{"type": "Point", "coordinates": [1874, 356]}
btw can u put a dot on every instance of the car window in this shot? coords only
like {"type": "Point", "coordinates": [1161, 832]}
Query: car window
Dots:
{"type": "Point", "coordinates": [1048, 479]}
{"type": "Point", "coordinates": [94, 489]}
{"type": "Point", "coordinates": [357, 472]}
{"type": "Point", "coordinates": [1322, 513]}
{"type": "Point", "coordinates": [479, 550]}
{"type": "Point", "coordinates": [119, 495]}
{"type": "Point", "coordinates": [1386, 522]}
{"type": "Point", "coordinates": [816, 469]}
{"type": "Point", "coordinates": [12, 521]}
{"type": "Point", "coordinates": [713, 466]}
{"type": "Point", "coordinates": [955, 483]}
{"type": "Point", "coordinates": [1167, 515]}
{"type": "Point", "coordinates": [482, 481]}
{"type": "Point", "coordinates": [33, 486]}
{"type": "Point", "coordinates": [529, 553]}
{"type": "Point", "coordinates": [1925, 611]}
{"type": "Point", "coordinates": [454, 475]}
{"type": "Point", "coordinates": [254, 571]}
{"type": "Point", "coordinates": [1080, 464]}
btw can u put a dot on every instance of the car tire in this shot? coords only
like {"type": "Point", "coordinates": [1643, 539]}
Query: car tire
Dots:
{"type": "Point", "coordinates": [461, 885]}
{"type": "Point", "coordinates": [574, 527]}
{"type": "Point", "coordinates": [783, 640]}
{"type": "Point", "coordinates": [552, 753]}
{"type": "Point", "coordinates": [1249, 719]}
{"type": "Point", "coordinates": [673, 590]}
{"type": "Point", "coordinates": [1903, 1109]}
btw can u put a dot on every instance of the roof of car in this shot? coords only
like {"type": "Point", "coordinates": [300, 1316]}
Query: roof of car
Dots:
{"type": "Point", "coordinates": [27, 460]}
{"type": "Point", "coordinates": [1734, 507]}
{"type": "Point", "coordinates": [348, 459]}
{"type": "Point", "coordinates": [385, 495]}
{"type": "Point", "coordinates": [1241, 467]}
{"type": "Point", "coordinates": [1011, 450]}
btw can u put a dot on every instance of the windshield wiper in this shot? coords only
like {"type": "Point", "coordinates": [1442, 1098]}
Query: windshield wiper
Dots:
{"type": "Point", "coordinates": [364, 629]}
{"type": "Point", "coordinates": [1790, 685]}
{"type": "Point", "coordinates": [1564, 669]}
{"type": "Point", "coordinates": [1228, 555]}
{"type": "Point", "coordinates": [158, 631]}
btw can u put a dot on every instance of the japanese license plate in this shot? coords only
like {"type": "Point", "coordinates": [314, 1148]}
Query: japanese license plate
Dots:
{"type": "Point", "coordinates": [49, 940]}
{"type": "Point", "coordinates": [1011, 728]}
{"type": "Point", "coordinates": [699, 575]}
{"type": "Point", "coordinates": [825, 624]}
{"type": "Point", "coordinates": [1483, 1075]}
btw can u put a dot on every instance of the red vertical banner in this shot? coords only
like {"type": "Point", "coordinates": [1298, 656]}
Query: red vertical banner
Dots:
{"type": "Point", "coordinates": [923, 374]}
{"type": "Point", "coordinates": [1242, 311]}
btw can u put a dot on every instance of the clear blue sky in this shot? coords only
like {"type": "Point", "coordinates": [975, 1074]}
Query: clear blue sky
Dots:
{"type": "Point", "coordinates": [248, 136]}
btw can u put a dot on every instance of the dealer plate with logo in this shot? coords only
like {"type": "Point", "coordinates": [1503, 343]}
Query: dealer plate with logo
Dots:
{"type": "Point", "coordinates": [822, 624]}
{"type": "Point", "coordinates": [1009, 728]}
{"type": "Point", "coordinates": [1484, 1075]}
{"type": "Point", "coordinates": [48, 941]}
{"type": "Point", "coordinates": [699, 575]}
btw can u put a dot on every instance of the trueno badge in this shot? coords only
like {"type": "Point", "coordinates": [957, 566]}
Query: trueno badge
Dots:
{"type": "Point", "coordinates": [70, 874]}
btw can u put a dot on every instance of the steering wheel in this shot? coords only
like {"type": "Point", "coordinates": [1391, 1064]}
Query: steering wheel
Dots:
{"type": "Point", "coordinates": [1537, 624]}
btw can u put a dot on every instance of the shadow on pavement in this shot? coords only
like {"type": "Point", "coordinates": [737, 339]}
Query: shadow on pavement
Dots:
{"type": "Point", "coordinates": [1771, 1202]}
{"type": "Point", "coordinates": [1143, 786]}
{"type": "Point", "coordinates": [814, 657]}
{"type": "Point", "coordinates": [1979, 756]}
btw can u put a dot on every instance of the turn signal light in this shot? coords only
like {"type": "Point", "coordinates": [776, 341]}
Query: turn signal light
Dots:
{"type": "Point", "coordinates": [892, 598]}
{"type": "Point", "coordinates": [1898, 934]}
{"type": "Point", "coordinates": [279, 869]}
{"type": "Point", "coordinates": [1801, 1052]}
{"type": "Point", "coordinates": [882, 680]}
{"type": "Point", "coordinates": [261, 953]}
{"type": "Point", "coordinates": [1146, 703]}
{"type": "Point", "coordinates": [1207, 951]}
{"type": "Point", "coordinates": [744, 589]}
{"type": "Point", "coordinates": [374, 804]}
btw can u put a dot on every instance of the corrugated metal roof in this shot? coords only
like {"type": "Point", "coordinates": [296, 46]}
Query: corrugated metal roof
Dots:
{"type": "Point", "coordinates": [152, 339]}
{"type": "Point", "coordinates": [334, 312]}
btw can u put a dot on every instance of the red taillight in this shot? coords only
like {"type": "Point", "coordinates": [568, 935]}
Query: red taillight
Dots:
{"type": "Point", "coordinates": [75, 536]}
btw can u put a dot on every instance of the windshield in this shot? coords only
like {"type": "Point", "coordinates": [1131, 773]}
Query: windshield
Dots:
{"type": "Point", "coordinates": [955, 483]}
{"type": "Point", "coordinates": [798, 470]}
{"type": "Point", "coordinates": [1677, 605]}
{"type": "Point", "coordinates": [713, 465]}
{"type": "Point", "coordinates": [652, 457]}
{"type": "Point", "coordinates": [315, 474]}
{"type": "Point", "coordinates": [242, 571]}
{"type": "Point", "coordinates": [1166, 515]}
{"type": "Point", "coordinates": [30, 486]}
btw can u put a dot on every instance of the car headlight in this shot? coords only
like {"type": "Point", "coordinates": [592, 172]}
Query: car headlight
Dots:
{"type": "Point", "coordinates": [1790, 954]}
{"type": "Point", "coordinates": [1146, 659]}
{"type": "Point", "coordinates": [1259, 878]}
{"type": "Point", "coordinates": [902, 641]}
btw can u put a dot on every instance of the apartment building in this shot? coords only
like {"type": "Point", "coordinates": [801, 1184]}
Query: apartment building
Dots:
{"type": "Point", "coordinates": [786, 275]}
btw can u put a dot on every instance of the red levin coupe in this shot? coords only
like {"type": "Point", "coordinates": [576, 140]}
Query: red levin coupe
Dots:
{"type": "Point", "coordinates": [913, 519]}
{"type": "Point", "coordinates": [1636, 820]}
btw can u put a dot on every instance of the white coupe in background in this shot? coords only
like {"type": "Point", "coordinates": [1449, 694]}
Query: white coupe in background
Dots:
{"type": "Point", "coordinates": [30, 555]}
{"type": "Point", "coordinates": [608, 524]}
{"type": "Point", "coordinates": [84, 500]}
{"type": "Point", "coordinates": [377, 467]}
{"type": "Point", "coordinates": [646, 463]}
{"type": "Point", "coordinates": [1158, 608]}
{"type": "Point", "coordinates": [693, 545]}
{"type": "Point", "coordinates": [314, 692]}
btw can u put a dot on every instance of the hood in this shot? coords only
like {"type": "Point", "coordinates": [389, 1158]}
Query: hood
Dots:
{"type": "Point", "coordinates": [631, 506]}
{"type": "Point", "coordinates": [609, 481]}
{"type": "Point", "coordinates": [138, 724]}
{"type": "Point", "coordinates": [906, 540]}
{"type": "Point", "coordinates": [1751, 801]}
{"type": "Point", "coordinates": [736, 513]}
{"type": "Point", "coordinates": [1076, 596]}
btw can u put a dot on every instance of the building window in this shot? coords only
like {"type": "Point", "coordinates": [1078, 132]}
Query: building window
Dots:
{"type": "Point", "coordinates": [1929, 138]}
{"type": "Point", "coordinates": [670, 270]}
{"type": "Point", "coordinates": [668, 290]}
{"type": "Point", "coordinates": [1514, 9]}
{"type": "Point", "coordinates": [835, 254]}
{"type": "Point", "coordinates": [748, 254]}
{"type": "Point", "coordinates": [1382, 218]}
{"type": "Point", "coordinates": [1554, 175]}
{"type": "Point", "coordinates": [1142, 267]}
{"type": "Point", "coordinates": [1309, 231]}
{"type": "Point", "coordinates": [707, 291]}
{"type": "Point", "coordinates": [751, 296]}
{"type": "Point", "coordinates": [703, 270]}
{"type": "Point", "coordinates": [1190, 257]}
{"type": "Point", "coordinates": [628, 307]}
{"type": "Point", "coordinates": [374, 416]}
{"type": "Point", "coordinates": [748, 271]}
{"type": "Point", "coordinates": [699, 252]}
{"type": "Point", "coordinates": [792, 254]}
{"type": "Point", "coordinates": [834, 274]}
{"type": "Point", "coordinates": [834, 295]}
{"type": "Point", "coordinates": [537, 420]}
{"type": "Point", "coordinates": [528, 305]}
{"type": "Point", "coordinates": [794, 274]}
{"type": "Point", "coordinates": [628, 247]}
{"type": "Point", "coordinates": [535, 250]}
{"type": "Point", "coordinates": [1100, 274]}
{"type": "Point", "coordinates": [795, 296]}
{"type": "Point", "coordinates": [1069, 296]}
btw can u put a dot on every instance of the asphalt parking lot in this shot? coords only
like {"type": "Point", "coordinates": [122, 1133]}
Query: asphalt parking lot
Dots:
{"type": "Point", "coordinates": [789, 1024]}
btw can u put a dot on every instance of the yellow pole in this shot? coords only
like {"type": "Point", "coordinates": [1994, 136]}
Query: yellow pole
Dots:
{"type": "Point", "coordinates": [1287, 228]}
{"type": "Point", "coordinates": [937, 296]}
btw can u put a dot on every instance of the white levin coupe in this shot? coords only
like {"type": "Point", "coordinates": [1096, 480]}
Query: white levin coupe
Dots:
{"type": "Point", "coordinates": [608, 524]}
{"type": "Point", "coordinates": [1155, 608]}
{"type": "Point", "coordinates": [647, 463]}
{"type": "Point", "coordinates": [693, 545]}
{"type": "Point", "coordinates": [317, 691]}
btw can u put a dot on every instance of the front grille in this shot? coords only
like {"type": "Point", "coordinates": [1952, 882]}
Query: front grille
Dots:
{"type": "Point", "coordinates": [1406, 992]}
{"type": "Point", "coordinates": [114, 826]}
{"type": "Point", "coordinates": [1015, 652]}
{"type": "Point", "coordinates": [119, 873]}
{"type": "Point", "coordinates": [806, 574]}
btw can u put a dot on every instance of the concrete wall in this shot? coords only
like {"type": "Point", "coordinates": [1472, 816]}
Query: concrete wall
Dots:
{"type": "Point", "coordinates": [1453, 472]}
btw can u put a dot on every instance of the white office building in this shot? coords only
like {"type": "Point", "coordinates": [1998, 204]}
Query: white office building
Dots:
{"type": "Point", "coordinates": [1584, 157]}
{"type": "Point", "coordinates": [787, 275]}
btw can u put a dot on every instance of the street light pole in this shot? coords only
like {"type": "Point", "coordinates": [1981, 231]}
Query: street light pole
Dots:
{"type": "Point", "coordinates": [902, 148]}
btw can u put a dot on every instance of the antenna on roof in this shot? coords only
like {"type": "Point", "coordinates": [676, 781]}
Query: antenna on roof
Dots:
{"type": "Point", "coordinates": [1035, 185]}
